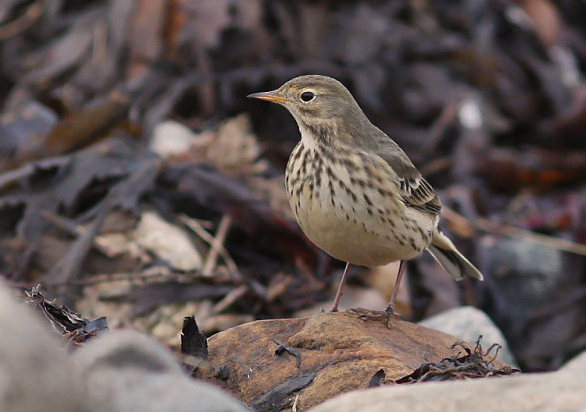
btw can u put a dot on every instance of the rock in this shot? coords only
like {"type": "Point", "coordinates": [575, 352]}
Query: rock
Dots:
{"type": "Point", "coordinates": [114, 372]}
{"type": "Point", "coordinates": [468, 323]}
{"type": "Point", "coordinates": [558, 391]}
{"type": "Point", "coordinates": [171, 138]}
{"type": "Point", "coordinates": [127, 371]}
{"type": "Point", "coordinates": [35, 371]}
{"type": "Point", "coordinates": [524, 274]}
{"type": "Point", "coordinates": [270, 364]}
{"type": "Point", "coordinates": [577, 364]}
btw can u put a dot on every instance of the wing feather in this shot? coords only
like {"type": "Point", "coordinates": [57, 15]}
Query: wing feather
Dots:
{"type": "Point", "coordinates": [415, 190]}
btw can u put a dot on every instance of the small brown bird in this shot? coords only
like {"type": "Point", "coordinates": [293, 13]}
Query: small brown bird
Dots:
{"type": "Point", "coordinates": [353, 190]}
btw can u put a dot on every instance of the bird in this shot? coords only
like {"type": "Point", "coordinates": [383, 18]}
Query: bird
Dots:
{"type": "Point", "coordinates": [354, 192]}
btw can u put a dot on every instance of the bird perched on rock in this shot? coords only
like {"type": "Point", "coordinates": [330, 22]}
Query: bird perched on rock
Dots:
{"type": "Point", "coordinates": [354, 191]}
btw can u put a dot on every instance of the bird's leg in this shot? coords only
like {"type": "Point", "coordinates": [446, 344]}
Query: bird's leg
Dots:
{"type": "Point", "coordinates": [390, 309]}
{"type": "Point", "coordinates": [340, 288]}
{"type": "Point", "coordinates": [388, 313]}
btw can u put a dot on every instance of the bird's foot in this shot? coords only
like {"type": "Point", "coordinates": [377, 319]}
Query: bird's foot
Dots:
{"type": "Point", "coordinates": [368, 314]}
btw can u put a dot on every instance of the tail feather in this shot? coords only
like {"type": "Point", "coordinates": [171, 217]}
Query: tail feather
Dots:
{"type": "Point", "coordinates": [445, 253]}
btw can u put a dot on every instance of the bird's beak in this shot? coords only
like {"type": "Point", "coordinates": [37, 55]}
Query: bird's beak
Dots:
{"type": "Point", "coordinates": [272, 96]}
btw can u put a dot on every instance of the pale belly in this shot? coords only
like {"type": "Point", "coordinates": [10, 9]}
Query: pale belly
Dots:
{"type": "Point", "coordinates": [351, 220]}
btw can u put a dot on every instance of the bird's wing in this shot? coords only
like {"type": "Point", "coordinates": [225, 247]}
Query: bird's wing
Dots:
{"type": "Point", "coordinates": [416, 191]}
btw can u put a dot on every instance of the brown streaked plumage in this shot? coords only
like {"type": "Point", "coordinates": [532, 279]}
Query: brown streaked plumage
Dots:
{"type": "Point", "coordinates": [353, 190]}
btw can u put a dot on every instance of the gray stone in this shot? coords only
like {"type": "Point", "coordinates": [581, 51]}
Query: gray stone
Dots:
{"type": "Point", "coordinates": [576, 364]}
{"type": "Point", "coordinates": [468, 323]}
{"type": "Point", "coordinates": [544, 392]}
{"type": "Point", "coordinates": [524, 272]}
{"type": "Point", "coordinates": [35, 372]}
{"type": "Point", "coordinates": [127, 371]}
{"type": "Point", "coordinates": [521, 260]}
{"type": "Point", "coordinates": [521, 275]}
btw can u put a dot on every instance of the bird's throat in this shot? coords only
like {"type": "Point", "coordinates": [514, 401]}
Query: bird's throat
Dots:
{"type": "Point", "coordinates": [318, 136]}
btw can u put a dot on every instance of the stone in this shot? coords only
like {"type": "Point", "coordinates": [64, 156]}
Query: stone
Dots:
{"type": "Point", "coordinates": [557, 391]}
{"type": "Point", "coordinates": [524, 275]}
{"type": "Point", "coordinates": [171, 138]}
{"type": "Point", "coordinates": [35, 372]}
{"type": "Point", "coordinates": [127, 371]}
{"type": "Point", "coordinates": [577, 363]}
{"type": "Point", "coordinates": [273, 364]}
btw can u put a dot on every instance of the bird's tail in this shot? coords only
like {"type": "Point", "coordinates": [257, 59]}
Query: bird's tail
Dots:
{"type": "Point", "coordinates": [445, 253]}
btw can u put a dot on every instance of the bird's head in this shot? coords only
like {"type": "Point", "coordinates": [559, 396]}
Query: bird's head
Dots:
{"type": "Point", "coordinates": [314, 100]}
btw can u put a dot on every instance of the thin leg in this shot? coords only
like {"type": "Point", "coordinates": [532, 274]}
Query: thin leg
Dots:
{"type": "Point", "coordinates": [340, 287]}
{"type": "Point", "coordinates": [390, 310]}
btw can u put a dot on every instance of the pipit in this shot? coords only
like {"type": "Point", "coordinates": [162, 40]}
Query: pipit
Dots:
{"type": "Point", "coordinates": [354, 191]}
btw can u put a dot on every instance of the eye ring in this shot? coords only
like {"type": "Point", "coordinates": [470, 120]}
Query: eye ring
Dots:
{"type": "Point", "coordinates": [307, 96]}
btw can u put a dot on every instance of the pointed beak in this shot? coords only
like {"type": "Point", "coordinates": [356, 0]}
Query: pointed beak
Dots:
{"type": "Point", "coordinates": [272, 96]}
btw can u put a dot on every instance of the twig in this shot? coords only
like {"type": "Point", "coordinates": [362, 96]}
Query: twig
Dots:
{"type": "Point", "coordinates": [512, 231]}
{"type": "Point", "coordinates": [436, 166]}
{"type": "Point", "coordinates": [154, 273]}
{"type": "Point", "coordinates": [70, 227]}
{"type": "Point", "coordinates": [216, 243]}
{"type": "Point", "coordinates": [229, 299]}
{"type": "Point", "coordinates": [97, 279]}
{"type": "Point", "coordinates": [28, 18]}
{"type": "Point", "coordinates": [439, 126]}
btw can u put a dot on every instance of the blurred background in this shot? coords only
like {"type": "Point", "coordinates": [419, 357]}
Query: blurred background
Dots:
{"type": "Point", "coordinates": [137, 182]}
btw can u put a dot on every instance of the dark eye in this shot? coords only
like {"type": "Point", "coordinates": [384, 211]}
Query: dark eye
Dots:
{"type": "Point", "coordinates": [307, 96]}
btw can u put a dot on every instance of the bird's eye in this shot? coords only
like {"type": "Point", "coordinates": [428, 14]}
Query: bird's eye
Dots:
{"type": "Point", "coordinates": [306, 97]}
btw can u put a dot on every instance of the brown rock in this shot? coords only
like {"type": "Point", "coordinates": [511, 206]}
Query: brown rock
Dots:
{"type": "Point", "coordinates": [320, 357]}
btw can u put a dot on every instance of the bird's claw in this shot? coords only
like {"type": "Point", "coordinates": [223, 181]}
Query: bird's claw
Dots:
{"type": "Point", "coordinates": [368, 314]}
